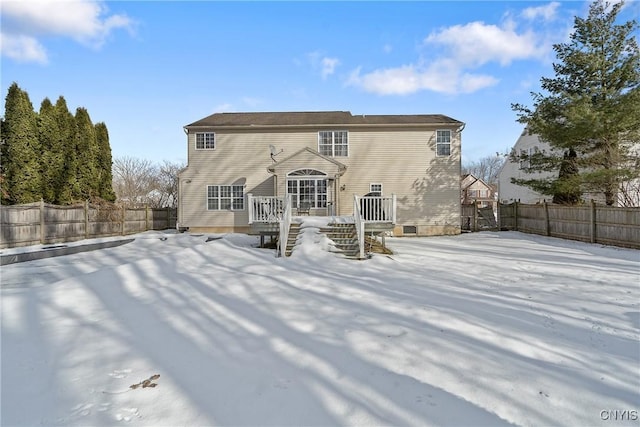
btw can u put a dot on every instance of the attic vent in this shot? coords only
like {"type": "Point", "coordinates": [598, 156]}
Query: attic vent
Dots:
{"type": "Point", "coordinates": [409, 229]}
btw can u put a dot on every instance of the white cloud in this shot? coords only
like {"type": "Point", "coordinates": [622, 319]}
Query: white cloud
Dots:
{"type": "Point", "coordinates": [477, 43]}
{"type": "Point", "coordinates": [547, 12]}
{"type": "Point", "coordinates": [324, 64]}
{"type": "Point", "coordinates": [409, 79]}
{"type": "Point", "coordinates": [84, 21]}
{"type": "Point", "coordinates": [22, 49]}
{"type": "Point", "coordinates": [451, 57]}
{"type": "Point", "coordinates": [329, 66]}
{"type": "Point", "coordinates": [387, 48]}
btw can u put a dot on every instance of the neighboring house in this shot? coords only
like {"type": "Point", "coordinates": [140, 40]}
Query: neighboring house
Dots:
{"type": "Point", "coordinates": [530, 144]}
{"type": "Point", "coordinates": [475, 190]}
{"type": "Point", "coordinates": [239, 162]}
{"type": "Point", "coordinates": [507, 192]}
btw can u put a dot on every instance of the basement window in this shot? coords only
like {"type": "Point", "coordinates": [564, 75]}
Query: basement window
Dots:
{"type": "Point", "coordinates": [409, 229]}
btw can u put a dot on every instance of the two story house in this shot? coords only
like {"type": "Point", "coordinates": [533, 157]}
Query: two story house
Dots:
{"type": "Point", "coordinates": [476, 190]}
{"type": "Point", "coordinates": [322, 161]}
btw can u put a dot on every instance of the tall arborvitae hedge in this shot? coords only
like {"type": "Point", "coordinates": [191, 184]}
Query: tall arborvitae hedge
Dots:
{"type": "Point", "coordinates": [52, 159]}
{"type": "Point", "coordinates": [104, 163]}
{"type": "Point", "coordinates": [68, 181]}
{"type": "Point", "coordinates": [52, 155]}
{"type": "Point", "coordinates": [21, 164]}
{"type": "Point", "coordinates": [87, 152]}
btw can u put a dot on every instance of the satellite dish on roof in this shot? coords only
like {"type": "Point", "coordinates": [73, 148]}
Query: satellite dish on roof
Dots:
{"type": "Point", "coordinates": [274, 152]}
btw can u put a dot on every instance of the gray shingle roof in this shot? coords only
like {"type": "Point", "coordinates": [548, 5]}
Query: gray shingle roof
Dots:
{"type": "Point", "coordinates": [310, 118]}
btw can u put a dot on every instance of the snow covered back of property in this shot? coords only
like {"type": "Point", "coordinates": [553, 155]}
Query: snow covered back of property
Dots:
{"type": "Point", "coordinates": [191, 330]}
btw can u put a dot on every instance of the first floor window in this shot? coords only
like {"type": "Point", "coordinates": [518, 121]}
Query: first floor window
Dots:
{"type": "Point", "coordinates": [205, 141]}
{"type": "Point", "coordinates": [443, 142]}
{"type": "Point", "coordinates": [375, 188]}
{"type": "Point", "coordinates": [225, 197]}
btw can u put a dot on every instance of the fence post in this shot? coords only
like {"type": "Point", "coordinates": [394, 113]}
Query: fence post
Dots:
{"type": "Point", "coordinates": [547, 228]}
{"type": "Point", "coordinates": [42, 224]}
{"type": "Point", "coordinates": [168, 217]}
{"type": "Point", "coordinates": [515, 215]}
{"type": "Point", "coordinates": [592, 221]}
{"type": "Point", "coordinates": [498, 215]}
{"type": "Point", "coordinates": [475, 216]}
{"type": "Point", "coordinates": [86, 219]}
{"type": "Point", "coordinates": [123, 219]}
{"type": "Point", "coordinates": [146, 217]}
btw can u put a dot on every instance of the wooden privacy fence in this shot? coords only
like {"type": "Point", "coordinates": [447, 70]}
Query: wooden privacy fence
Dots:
{"type": "Point", "coordinates": [42, 223]}
{"type": "Point", "coordinates": [618, 226]}
{"type": "Point", "coordinates": [474, 218]}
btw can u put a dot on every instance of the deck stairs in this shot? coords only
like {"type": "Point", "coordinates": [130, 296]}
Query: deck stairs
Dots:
{"type": "Point", "coordinates": [343, 235]}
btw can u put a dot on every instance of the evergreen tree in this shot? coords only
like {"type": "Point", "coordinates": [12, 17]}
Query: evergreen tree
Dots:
{"type": "Point", "coordinates": [567, 186]}
{"type": "Point", "coordinates": [104, 164]}
{"type": "Point", "coordinates": [591, 107]}
{"type": "Point", "coordinates": [67, 190]}
{"type": "Point", "coordinates": [4, 189]}
{"type": "Point", "coordinates": [52, 157]}
{"type": "Point", "coordinates": [22, 176]}
{"type": "Point", "coordinates": [87, 154]}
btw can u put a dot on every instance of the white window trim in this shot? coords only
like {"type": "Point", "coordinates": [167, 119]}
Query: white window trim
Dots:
{"type": "Point", "coordinates": [231, 209]}
{"type": "Point", "coordinates": [525, 164]}
{"type": "Point", "coordinates": [195, 141]}
{"type": "Point", "coordinates": [371, 190]}
{"type": "Point", "coordinates": [333, 142]}
{"type": "Point", "coordinates": [450, 142]}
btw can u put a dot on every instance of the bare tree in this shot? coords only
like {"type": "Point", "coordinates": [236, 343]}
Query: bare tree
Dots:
{"type": "Point", "coordinates": [139, 182]}
{"type": "Point", "coordinates": [134, 181]}
{"type": "Point", "coordinates": [487, 168]}
{"type": "Point", "coordinates": [629, 194]}
{"type": "Point", "coordinates": [168, 183]}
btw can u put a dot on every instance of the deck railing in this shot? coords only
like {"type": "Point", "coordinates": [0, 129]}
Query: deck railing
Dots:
{"type": "Point", "coordinates": [265, 209]}
{"type": "Point", "coordinates": [377, 208]}
{"type": "Point", "coordinates": [359, 223]}
{"type": "Point", "coordinates": [285, 224]}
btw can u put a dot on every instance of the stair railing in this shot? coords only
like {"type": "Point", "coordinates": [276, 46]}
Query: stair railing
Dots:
{"type": "Point", "coordinates": [285, 224]}
{"type": "Point", "coordinates": [359, 223]}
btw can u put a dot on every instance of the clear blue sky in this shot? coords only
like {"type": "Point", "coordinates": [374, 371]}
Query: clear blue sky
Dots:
{"type": "Point", "coordinates": [148, 68]}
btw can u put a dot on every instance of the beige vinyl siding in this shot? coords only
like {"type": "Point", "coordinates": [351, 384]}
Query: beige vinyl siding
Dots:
{"type": "Point", "coordinates": [403, 160]}
{"type": "Point", "coordinates": [239, 158]}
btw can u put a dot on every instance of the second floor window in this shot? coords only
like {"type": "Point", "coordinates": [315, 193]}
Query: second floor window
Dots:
{"type": "Point", "coordinates": [443, 143]}
{"type": "Point", "coordinates": [205, 141]}
{"type": "Point", "coordinates": [333, 143]}
{"type": "Point", "coordinates": [525, 156]}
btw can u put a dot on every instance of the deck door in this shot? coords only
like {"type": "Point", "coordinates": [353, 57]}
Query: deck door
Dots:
{"type": "Point", "coordinates": [308, 185]}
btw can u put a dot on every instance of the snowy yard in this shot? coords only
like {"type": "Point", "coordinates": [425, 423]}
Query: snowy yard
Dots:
{"type": "Point", "coordinates": [477, 329]}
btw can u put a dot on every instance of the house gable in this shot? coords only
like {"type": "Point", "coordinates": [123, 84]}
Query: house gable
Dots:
{"type": "Point", "coordinates": [308, 157]}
